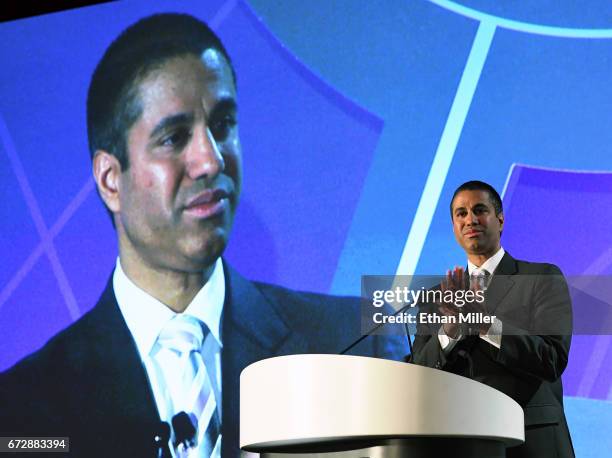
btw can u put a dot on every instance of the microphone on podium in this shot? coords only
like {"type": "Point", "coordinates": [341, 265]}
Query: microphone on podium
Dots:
{"type": "Point", "coordinates": [408, 358]}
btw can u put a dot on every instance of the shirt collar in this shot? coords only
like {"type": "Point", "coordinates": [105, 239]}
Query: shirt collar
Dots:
{"type": "Point", "coordinates": [489, 265]}
{"type": "Point", "coordinates": [145, 316]}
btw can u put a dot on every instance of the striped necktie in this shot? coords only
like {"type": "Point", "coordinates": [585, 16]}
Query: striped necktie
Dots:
{"type": "Point", "coordinates": [190, 387]}
{"type": "Point", "coordinates": [479, 280]}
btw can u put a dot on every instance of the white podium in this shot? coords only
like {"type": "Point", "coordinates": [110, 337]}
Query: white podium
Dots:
{"type": "Point", "coordinates": [352, 406]}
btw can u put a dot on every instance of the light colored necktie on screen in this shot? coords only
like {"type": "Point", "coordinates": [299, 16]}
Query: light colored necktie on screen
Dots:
{"type": "Point", "coordinates": [190, 387]}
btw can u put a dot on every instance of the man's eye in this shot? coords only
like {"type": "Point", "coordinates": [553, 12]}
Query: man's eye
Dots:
{"type": "Point", "coordinates": [221, 128]}
{"type": "Point", "coordinates": [175, 139]}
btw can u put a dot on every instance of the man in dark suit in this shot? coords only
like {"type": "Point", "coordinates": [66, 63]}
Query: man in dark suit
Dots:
{"type": "Point", "coordinates": [522, 347]}
{"type": "Point", "coordinates": [163, 136]}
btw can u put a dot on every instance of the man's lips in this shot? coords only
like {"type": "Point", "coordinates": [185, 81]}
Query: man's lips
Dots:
{"type": "Point", "coordinates": [209, 203]}
{"type": "Point", "coordinates": [472, 233]}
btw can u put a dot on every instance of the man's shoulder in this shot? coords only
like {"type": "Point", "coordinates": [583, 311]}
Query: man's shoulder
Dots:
{"type": "Point", "coordinates": [58, 357]}
{"type": "Point", "coordinates": [242, 288]}
{"type": "Point", "coordinates": [62, 357]}
{"type": "Point", "coordinates": [540, 268]}
{"type": "Point", "coordinates": [298, 305]}
{"type": "Point", "coordinates": [306, 298]}
{"type": "Point", "coordinates": [76, 339]}
{"type": "Point", "coordinates": [335, 321]}
{"type": "Point", "coordinates": [45, 380]}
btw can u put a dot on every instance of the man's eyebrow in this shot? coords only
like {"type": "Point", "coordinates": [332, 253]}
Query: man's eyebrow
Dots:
{"type": "Point", "coordinates": [172, 121]}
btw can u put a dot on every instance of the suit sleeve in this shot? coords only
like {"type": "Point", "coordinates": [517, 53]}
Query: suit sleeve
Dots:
{"type": "Point", "coordinates": [542, 350]}
{"type": "Point", "coordinates": [426, 348]}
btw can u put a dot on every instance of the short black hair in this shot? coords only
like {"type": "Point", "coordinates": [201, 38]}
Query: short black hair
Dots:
{"type": "Point", "coordinates": [113, 105]}
{"type": "Point", "coordinates": [476, 185]}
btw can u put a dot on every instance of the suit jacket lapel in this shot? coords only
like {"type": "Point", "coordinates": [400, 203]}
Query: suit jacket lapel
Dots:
{"type": "Point", "coordinates": [122, 386]}
{"type": "Point", "coordinates": [252, 330]}
{"type": "Point", "coordinates": [501, 283]}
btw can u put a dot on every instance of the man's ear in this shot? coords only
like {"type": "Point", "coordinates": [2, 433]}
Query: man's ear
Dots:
{"type": "Point", "coordinates": [106, 171]}
{"type": "Point", "coordinates": [500, 218]}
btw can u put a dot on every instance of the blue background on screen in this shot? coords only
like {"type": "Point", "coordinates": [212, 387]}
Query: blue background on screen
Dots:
{"type": "Point", "coordinates": [358, 119]}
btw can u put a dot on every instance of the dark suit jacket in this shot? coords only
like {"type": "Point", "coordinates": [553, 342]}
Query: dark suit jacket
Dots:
{"type": "Point", "coordinates": [530, 299]}
{"type": "Point", "coordinates": [88, 382]}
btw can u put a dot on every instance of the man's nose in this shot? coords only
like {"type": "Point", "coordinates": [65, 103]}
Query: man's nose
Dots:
{"type": "Point", "coordinates": [203, 157]}
{"type": "Point", "coordinates": [473, 218]}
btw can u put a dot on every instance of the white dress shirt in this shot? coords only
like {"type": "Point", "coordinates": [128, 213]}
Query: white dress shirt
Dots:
{"type": "Point", "coordinates": [145, 317]}
{"type": "Point", "coordinates": [494, 334]}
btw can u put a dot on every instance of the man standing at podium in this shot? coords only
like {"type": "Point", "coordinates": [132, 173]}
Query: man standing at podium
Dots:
{"type": "Point", "coordinates": [520, 343]}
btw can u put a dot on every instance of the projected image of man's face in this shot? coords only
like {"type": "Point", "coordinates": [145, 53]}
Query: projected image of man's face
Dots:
{"type": "Point", "coordinates": [179, 194]}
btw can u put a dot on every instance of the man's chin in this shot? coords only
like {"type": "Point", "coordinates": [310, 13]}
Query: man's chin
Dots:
{"type": "Point", "coordinates": [201, 254]}
{"type": "Point", "coordinates": [481, 250]}
{"type": "Point", "coordinates": [475, 248]}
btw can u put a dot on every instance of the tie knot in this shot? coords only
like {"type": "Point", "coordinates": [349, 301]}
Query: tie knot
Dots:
{"type": "Point", "coordinates": [183, 333]}
{"type": "Point", "coordinates": [480, 278]}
